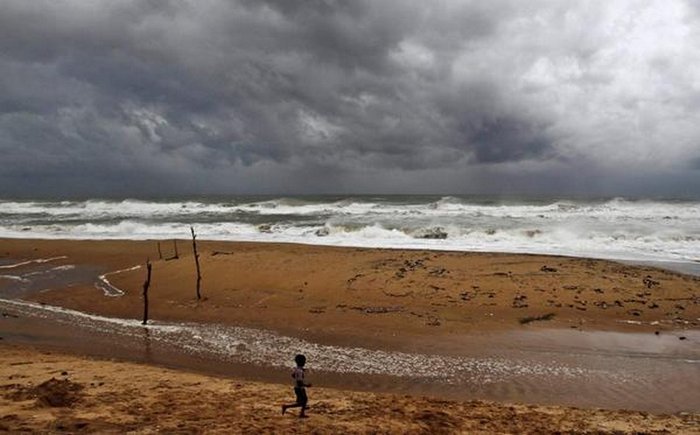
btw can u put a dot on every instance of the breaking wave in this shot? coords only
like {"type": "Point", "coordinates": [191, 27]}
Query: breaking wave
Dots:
{"type": "Point", "coordinates": [614, 228]}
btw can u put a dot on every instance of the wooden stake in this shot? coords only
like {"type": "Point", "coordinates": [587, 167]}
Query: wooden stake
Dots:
{"type": "Point", "coordinates": [160, 254]}
{"type": "Point", "coordinates": [146, 285]}
{"type": "Point", "coordinates": [196, 262]}
{"type": "Point", "coordinates": [176, 254]}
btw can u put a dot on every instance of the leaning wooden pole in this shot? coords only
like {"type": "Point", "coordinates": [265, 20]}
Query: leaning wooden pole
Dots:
{"type": "Point", "coordinates": [146, 285]}
{"type": "Point", "coordinates": [196, 262]}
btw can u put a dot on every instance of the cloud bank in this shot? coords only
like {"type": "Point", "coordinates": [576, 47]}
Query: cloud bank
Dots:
{"type": "Point", "coordinates": [126, 97]}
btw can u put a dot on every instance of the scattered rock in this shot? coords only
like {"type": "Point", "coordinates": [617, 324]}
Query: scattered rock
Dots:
{"type": "Point", "coordinates": [466, 296]}
{"type": "Point", "coordinates": [438, 233]}
{"type": "Point", "coordinates": [378, 310]}
{"type": "Point", "coordinates": [70, 426]}
{"type": "Point", "coordinates": [414, 264]}
{"type": "Point", "coordinates": [649, 282]}
{"type": "Point", "coordinates": [682, 337]}
{"type": "Point", "coordinates": [548, 269]}
{"type": "Point", "coordinates": [215, 253]}
{"type": "Point", "coordinates": [636, 313]}
{"type": "Point", "coordinates": [520, 301]}
{"type": "Point", "coordinates": [434, 321]}
{"type": "Point", "coordinates": [438, 271]}
{"type": "Point", "coordinates": [526, 320]}
{"type": "Point", "coordinates": [399, 295]}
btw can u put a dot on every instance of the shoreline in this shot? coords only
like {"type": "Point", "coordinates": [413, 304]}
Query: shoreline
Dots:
{"type": "Point", "coordinates": [608, 370]}
{"type": "Point", "coordinates": [684, 267]}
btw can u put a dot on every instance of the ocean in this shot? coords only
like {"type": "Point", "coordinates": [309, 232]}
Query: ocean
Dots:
{"type": "Point", "coordinates": [618, 228]}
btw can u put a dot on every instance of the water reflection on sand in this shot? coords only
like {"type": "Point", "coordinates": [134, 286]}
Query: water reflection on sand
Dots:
{"type": "Point", "coordinates": [603, 369]}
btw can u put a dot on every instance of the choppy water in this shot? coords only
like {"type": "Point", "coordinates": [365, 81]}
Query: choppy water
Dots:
{"type": "Point", "coordinates": [660, 230]}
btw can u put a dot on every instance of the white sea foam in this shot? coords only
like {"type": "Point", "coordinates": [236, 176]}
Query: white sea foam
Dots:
{"type": "Point", "coordinates": [107, 287]}
{"type": "Point", "coordinates": [13, 278]}
{"type": "Point", "coordinates": [617, 228]}
{"type": "Point", "coordinates": [266, 348]}
{"type": "Point", "coordinates": [38, 260]}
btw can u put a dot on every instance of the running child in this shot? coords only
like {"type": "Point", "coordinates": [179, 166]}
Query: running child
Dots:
{"type": "Point", "coordinates": [299, 387]}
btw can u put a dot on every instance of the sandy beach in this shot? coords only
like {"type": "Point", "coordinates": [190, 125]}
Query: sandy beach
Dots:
{"type": "Point", "coordinates": [468, 217]}
{"type": "Point", "coordinates": [288, 288]}
{"type": "Point", "coordinates": [45, 391]}
{"type": "Point", "coordinates": [383, 305]}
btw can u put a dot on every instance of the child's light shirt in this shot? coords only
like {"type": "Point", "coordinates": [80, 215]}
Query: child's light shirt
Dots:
{"type": "Point", "coordinates": [298, 375]}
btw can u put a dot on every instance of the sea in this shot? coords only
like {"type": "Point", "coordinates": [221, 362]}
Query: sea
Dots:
{"type": "Point", "coordinates": [653, 230]}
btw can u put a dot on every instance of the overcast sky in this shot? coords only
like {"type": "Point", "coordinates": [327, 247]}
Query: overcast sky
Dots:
{"type": "Point", "coordinates": [117, 97]}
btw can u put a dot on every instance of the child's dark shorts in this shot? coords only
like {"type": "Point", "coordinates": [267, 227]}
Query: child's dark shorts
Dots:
{"type": "Point", "coordinates": [300, 392]}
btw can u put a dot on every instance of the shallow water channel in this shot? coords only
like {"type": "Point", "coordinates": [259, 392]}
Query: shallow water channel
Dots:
{"type": "Point", "coordinates": [650, 372]}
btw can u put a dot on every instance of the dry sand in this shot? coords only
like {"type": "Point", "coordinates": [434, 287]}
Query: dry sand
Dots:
{"type": "Point", "coordinates": [42, 391]}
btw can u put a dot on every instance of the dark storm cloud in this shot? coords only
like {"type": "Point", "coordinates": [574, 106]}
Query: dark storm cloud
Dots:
{"type": "Point", "coordinates": [307, 96]}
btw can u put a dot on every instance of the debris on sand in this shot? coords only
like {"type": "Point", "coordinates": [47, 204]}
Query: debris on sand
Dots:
{"type": "Point", "coordinates": [529, 319]}
{"type": "Point", "coordinates": [650, 283]}
{"type": "Point", "coordinates": [520, 301]}
{"type": "Point", "coordinates": [55, 393]}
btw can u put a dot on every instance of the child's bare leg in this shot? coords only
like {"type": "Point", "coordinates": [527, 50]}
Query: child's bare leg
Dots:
{"type": "Point", "coordinates": [291, 405]}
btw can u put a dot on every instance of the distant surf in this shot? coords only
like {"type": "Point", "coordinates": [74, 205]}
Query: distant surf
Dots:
{"type": "Point", "coordinates": [618, 228]}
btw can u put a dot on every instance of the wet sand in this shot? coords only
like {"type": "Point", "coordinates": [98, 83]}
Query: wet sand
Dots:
{"type": "Point", "coordinates": [523, 328]}
{"type": "Point", "coordinates": [351, 295]}
{"type": "Point", "coordinates": [599, 369]}
{"type": "Point", "coordinates": [46, 391]}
